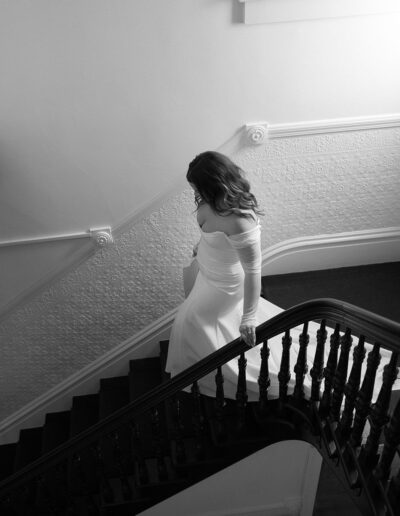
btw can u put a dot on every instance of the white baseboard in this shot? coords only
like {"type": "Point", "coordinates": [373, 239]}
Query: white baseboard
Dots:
{"type": "Point", "coordinates": [333, 251]}
{"type": "Point", "coordinates": [295, 255]}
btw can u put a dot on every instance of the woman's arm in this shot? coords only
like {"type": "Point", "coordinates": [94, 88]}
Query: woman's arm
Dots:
{"type": "Point", "coordinates": [249, 251]}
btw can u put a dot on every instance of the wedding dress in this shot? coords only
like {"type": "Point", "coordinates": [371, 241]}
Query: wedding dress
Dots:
{"type": "Point", "coordinates": [211, 315]}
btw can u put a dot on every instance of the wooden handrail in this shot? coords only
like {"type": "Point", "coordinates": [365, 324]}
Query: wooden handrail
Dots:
{"type": "Point", "coordinates": [375, 328]}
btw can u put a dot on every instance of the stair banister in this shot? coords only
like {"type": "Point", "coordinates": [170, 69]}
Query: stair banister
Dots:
{"type": "Point", "coordinates": [361, 321]}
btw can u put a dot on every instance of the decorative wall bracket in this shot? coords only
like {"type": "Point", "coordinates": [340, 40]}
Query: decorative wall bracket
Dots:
{"type": "Point", "coordinates": [102, 237]}
{"type": "Point", "coordinates": [256, 132]}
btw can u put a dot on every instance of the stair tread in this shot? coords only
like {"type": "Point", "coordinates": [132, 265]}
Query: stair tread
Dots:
{"type": "Point", "coordinates": [56, 430]}
{"type": "Point", "coordinates": [159, 489]}
{"type": "Point", "coordinates": [114, 394]}
{"type": "Point", "coordinates": [7, 459]}
{"type": "Point", "coordinates": [127, 508]}
{"type": "Point", "coordinates": [210, 461]}
{"type": "Point", "coordinates": [29, 446]}
{"type": "Point", "coordinates": [84, 413]}
{"type": "Point", "coordinates": [144, 375]}
{"type": "Point", "coordinates": [139, 364]}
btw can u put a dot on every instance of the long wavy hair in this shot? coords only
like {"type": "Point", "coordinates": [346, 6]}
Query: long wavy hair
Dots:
{"type": "Point", "coordinates": [220, 183]}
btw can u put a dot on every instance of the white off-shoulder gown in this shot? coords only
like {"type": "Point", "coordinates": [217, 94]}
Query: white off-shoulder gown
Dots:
{"type": "Point", "coordinates": [210, 317]}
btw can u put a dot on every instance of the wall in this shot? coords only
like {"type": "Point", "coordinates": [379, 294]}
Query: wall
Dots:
{"type": "Point", "coordinates": [334, 182]}
{"type": "Point", "coordinates": [102, 104]}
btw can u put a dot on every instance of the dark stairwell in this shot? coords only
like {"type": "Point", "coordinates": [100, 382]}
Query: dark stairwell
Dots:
{"type": "Point", "coordinates": [140, 439]}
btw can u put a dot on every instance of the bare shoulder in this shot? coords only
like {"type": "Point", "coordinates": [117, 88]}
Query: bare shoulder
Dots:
{"type": "Point", "coordinates": [232, 224]}
{"type": "Point", "coordinates": [237, 224]}
{"type": "Point", "coordinates": [203, 213]}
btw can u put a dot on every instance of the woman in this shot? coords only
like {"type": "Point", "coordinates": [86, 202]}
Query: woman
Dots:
{"type": "Point", "coordinates": [224, 302]}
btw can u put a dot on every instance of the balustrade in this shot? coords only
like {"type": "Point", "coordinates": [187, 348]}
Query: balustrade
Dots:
{"type": "Point", "coordinates": [75, 477]}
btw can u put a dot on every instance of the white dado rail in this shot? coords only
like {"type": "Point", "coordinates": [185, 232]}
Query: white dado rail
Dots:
{"type": "Point", "coordinates": [101, 237]}
{"type": "Point", "coordinates": [258, 132]}
{"type": "Point", "coordinates": [276, 11]}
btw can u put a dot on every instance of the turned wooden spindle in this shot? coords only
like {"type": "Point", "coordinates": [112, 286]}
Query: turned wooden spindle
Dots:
{"type": "Point", "coordinates": [241, 393]}
{"type": "Point", "coordinates": [391, 442]}
{"type": "Point", "coordinates": [219, 404]}
{"type": "Point", "coordinates": [45, 495]}
{"type": "Point", "coordinates": [120, 461]}
{"type": "Point", "coordinates": [178, 430]}
{"type": "Point", "coordinates": [62, 482]}
{"type": "Point", "coordinates": [81, 479]}
{"type": "Point", "coordinates": [317, 369]}
{"type": "Point", "coordinates": [363, 400]}
{"type": "Point", "coordinates": [329, 371]}
{"type": "Point", "coordinates": [339, 380]}
{"type": "Point", "coordinates": [198, 421]}
{"type": "Point", "coordinates": [379, 413]}
{"type": "Point", "coordinates": [158, 444]}
{"type": "Point", "coordinates": [284, 372]}
{"type": "Point", "coordinates": [70, 507]}
{"type": "Point", "coordinates": [105, 488]}
{"type": "Point", "coordinates": [301, 367]}
{"type": "Point", "coordinates": [143, 473]}
{"type": "Point", "coordinates": [351, 389]}
{"type": "Point", "coordinates": [263, 380]}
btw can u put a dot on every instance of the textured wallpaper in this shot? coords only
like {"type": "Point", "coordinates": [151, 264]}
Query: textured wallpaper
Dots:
{"type": "Point", "coordinates": [306, 185]}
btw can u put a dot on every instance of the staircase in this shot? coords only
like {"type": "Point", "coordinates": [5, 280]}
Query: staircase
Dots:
{"type": "Point", "coordinates": [142, 438]}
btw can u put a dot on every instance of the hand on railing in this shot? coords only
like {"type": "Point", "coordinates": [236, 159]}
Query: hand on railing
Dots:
{"type": "Point", "coordinates": [248, 334]}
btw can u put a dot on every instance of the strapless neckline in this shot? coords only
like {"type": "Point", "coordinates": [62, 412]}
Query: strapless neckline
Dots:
{"type": "Point", "coordinates": [229, 236]}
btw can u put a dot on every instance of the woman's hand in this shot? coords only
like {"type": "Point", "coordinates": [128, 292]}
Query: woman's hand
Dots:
{"type": "Point", "coordinates": [248, 334]}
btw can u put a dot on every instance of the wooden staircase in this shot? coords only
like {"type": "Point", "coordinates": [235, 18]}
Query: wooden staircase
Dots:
{"type": "Point", "coordinates": [142, 438]}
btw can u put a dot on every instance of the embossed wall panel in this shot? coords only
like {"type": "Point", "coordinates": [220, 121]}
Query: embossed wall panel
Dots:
{"type": "Point", "coordinates": [307, 185]}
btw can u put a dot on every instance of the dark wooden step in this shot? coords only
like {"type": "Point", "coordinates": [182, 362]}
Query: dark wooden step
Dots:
{"type": "Point", "coordinates": [234, 443]}
{"type": "Point", "coordinates": [129, 508]}
{"type": "Point", "coordinates": [7, 459]}
{"type": "Point", "coordinates": [157, 489]}
{"type": "Point", "coordinates": [115, 448]}
{"type": "Point", "coordinates": [82, 467]}
{"type": "Point", "coordinates": [195, 468]}
{"type": "Point", "coordinates": [144, 375]}
{"type": "Point", "coordinates": [184, 399]}
{"type": "Point", "coordinates": [53, 483]}
{"type": "Point", "coordinates": [56, 430]}
{"type": "Point", "coordinates": [114, 394]}
{"type": "Point", "coordinates": [84, 413]}
{"type": "Point", "coordinates": [29, 447]}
